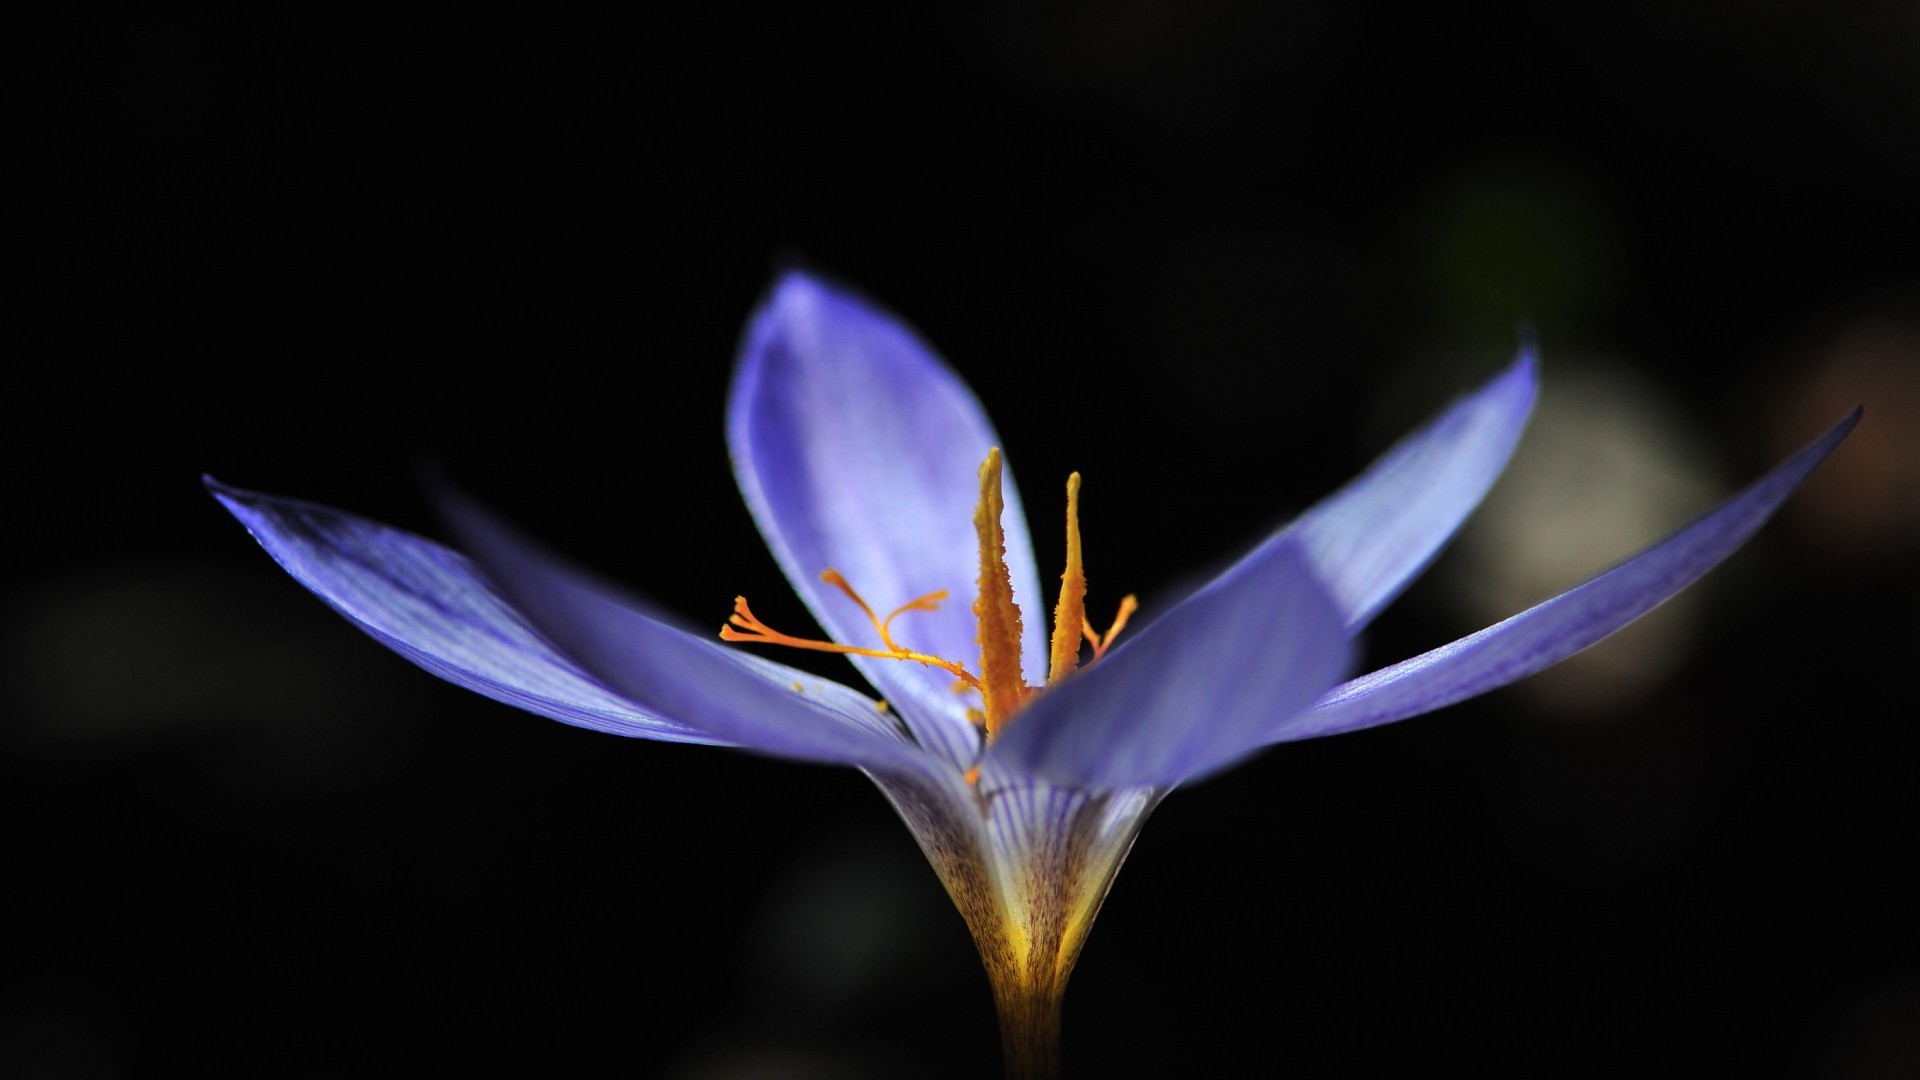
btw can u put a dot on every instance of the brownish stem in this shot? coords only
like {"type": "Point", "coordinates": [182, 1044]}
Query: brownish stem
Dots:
{"type": "Point", "coordinates": [1030, 1031]}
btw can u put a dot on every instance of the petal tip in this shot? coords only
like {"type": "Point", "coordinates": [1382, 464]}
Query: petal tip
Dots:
{"type": "Point", "coordinates": [233, 498]}
{"type": "Point", "coordinates": [1819, 449]}
{"type": "Point", "coordinates": [798, 289]}
{"type": "Point", "coordinates": [1522, 376]}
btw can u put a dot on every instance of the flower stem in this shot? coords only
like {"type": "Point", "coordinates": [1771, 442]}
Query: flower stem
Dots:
{"type": "Point", "coordinates": [1030, 1030]}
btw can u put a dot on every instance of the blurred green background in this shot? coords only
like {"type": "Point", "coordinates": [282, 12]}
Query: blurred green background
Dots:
{"type": "Point", "coordinates": [1213, 255]}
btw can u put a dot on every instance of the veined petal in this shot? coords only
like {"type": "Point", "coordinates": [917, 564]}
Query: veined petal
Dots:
{"type": "Point", "coordinates": [703, 684]}
{"type": "Point", "coordinates": [1552, 631]}
{"type": "Point", "coordinates": [1056, 850]}
{"type": "Point", "coordinates": [857, 449]}
{"type": "Point", "coordinates": [1198, 688]}
{"type": "Point", "coordinates": [432, 606]}
{"type": "Point", "coordinates": [1026, 862]}
{"type": "Point", "coordinates": [1368, 540]}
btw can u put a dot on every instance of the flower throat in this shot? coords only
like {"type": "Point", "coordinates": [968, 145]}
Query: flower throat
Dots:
{"type": "Point", "coordinates": [999, 679]}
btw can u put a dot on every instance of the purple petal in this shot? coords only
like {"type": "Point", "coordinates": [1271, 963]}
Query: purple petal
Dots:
{"type": "Point", "coordinates": [431, 605]}
{"type": "Point", "coordinates": [721, 690]}
{"type": "Point", "coordinates": [1552, 631]}
{"type": "Point", "coordinates": [857, 449]}
{"type": "Point", "coordinates": [1198, 688]}
{"type": "Point", "coordinates": [1371, 538]}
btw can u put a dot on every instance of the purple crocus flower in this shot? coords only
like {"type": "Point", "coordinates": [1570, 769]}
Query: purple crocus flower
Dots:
{"type": "Point", "coordinates": [1023, 772]}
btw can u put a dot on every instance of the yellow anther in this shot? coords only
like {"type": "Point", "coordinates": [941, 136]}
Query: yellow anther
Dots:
{"type": "Point", "coordinates": [1070, 614]}
{"type": "Point", "coordinates": [1003, 687]}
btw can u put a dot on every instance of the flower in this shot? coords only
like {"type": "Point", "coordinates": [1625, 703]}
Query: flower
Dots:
{"type": "Point", "coordinates": [1024, 773]}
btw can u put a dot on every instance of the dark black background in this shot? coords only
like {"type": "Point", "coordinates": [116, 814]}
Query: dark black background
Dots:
{"type": "Point", "coordinates": [1215, 255]}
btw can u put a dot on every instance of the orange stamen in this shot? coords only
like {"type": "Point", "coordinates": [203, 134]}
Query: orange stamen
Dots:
{"type": "Point", "coordinates": [1002, 685]}
{"type": "Point", "coordinates": [1070, 614]}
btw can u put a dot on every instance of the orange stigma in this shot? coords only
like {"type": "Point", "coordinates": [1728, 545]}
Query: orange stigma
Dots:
{"type": "Point", "coordinates": [1001, 683]}
{"type": "Point", "coordinates": [1102, 642]}
{"type": "Point", "coordinates": [751, 629]}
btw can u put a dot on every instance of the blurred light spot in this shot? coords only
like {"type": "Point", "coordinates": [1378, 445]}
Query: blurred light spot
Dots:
{"type": "Point", "coordinates": [1607, 468]}
{"type": "Point", "coordinates": [1864, 505]}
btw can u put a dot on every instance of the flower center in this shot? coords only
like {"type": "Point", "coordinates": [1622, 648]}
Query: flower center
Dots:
{"type": "Point", "coordinates": [999, 680]}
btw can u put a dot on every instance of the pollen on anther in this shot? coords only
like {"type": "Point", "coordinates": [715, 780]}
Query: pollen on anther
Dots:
{"type": "Point", "coordinates": [1003, 687]}
{"type": "Point", "coordinates": [1069, 615]}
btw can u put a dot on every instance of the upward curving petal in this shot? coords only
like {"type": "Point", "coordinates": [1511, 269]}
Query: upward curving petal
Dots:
{"type": "Point", "coordinates": [1198, 689]}
{"type": "Point", "coordinates": [432, 606]}
{"type": "Point", "coordinates": [1550, 632]}
{"type": "Point", "coordinates": [725, 692]}
{"type": "Point", "coordinates": [857, 449]}
{"type": "Point", "coordinates": [1371, 538]}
